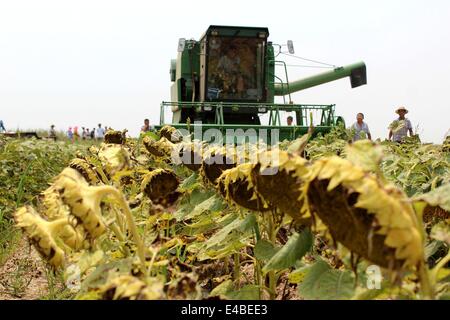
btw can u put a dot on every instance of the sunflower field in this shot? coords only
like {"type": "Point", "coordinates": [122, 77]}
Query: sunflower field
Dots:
{"type": "Point", "coordinates": [164, 217]}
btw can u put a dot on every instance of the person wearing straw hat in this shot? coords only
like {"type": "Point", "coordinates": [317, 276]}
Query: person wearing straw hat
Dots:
{"type": "Point", "coordinates": [399, 128]}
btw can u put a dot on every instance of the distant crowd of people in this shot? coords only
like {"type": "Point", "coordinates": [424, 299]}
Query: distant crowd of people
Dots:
{"type": "Point", "coordinates": [74, 134]}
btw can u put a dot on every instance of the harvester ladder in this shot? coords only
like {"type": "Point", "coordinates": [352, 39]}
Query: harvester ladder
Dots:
{"type": "Point", "coordinates": [281, 82]}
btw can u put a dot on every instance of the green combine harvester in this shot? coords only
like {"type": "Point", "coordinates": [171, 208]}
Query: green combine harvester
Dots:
{"type": "Point", "coordinates": [227, 82]}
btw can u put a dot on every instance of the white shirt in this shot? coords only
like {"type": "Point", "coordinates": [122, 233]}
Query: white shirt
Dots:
{"type": "Point", "coordinates": [364, 127]}
{"type": "Point", "coordinates": [100, 133]}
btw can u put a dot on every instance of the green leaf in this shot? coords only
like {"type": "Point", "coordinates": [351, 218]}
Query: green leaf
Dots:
{"type": "Point", "coordinates": [298, 275]}
{"type": "Point", "coordinates": [432, 247]}
{"type": "Point", "coordinates": [222, 289]}
{"type": "Point", "coordinates": [190, 201]}
{"type": "Point", "coordinates": [212, 204]}
{"type": "Point", "coordinates": [150, 134]}
{"type": "Point", "coordinates": [296, 247]}
{"type": "Point", "coordinates": [264, 250]}
{"type": "Point", "coordinates": [324, 283]}
{"type": "Point", "coordinates": [238, 224]}
{"type": "Point", "coordinates": [438, 197]}
{"type": "Point", "coordinates": [190, 182]}
{"type": "Point", "coordinates": [248, 292]}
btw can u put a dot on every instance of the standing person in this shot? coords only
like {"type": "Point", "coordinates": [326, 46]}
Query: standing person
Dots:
{"type": "Point", "coordinates": [147, 127]}
{"type": "Point", "coordinates": [289, 120]}
{"type": "Point", "coordinates": [399, 128]}
{"type": "Point", "coordinates": [100, 133]}
{"type": "Point", "coordinates": [76, 135]}
{"type": "Point", "coordinates": [360, 126]}
{"type": "Point", "coordinates": [52, 132]}
{"type": "Point", "coordinates": [92, 134]}
{"type": "Point", "coordinates": [70, 134]}
{"type": "Point", "coordinates": [2, 126]}
{"type": "Point", "coordinates": [83, 133]}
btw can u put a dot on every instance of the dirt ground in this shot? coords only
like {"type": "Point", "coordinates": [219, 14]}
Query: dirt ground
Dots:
{"type": "Point", "coordinates": [23, 275]}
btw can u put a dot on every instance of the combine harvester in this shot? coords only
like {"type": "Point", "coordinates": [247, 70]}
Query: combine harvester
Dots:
{"type": "Point", "coordinates": [227, 81]}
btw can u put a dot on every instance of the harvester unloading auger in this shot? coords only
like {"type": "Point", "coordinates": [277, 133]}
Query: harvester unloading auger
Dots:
{"type": "Point", "coordinates": [227, 80]}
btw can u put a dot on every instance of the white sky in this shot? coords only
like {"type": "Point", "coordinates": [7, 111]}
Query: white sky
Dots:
{"type": "Point", "coordinates": [83, 62]}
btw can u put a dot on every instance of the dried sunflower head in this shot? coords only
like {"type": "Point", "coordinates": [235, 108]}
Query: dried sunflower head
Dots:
{"type": "Point", "coordinates": [189, 154]}
{"type": "Point", "coordinates": [171, 134]}
{"type": "Point", "coordinates": [115, 137]}
{"type": "Point", "coordinates": [215, 161]}
{"type": "Point", "coordinates": [114, 158]}
{"type": "Point", "coordinates": [236, 185]}
{"type": "Point", "coordinates": [161, 148]}
{"type": "Point", "coordinates": [159, 183]}
{"type": "Point", "coordinates": [82, 199]}
{"type": "Point", "coordinates": [41, 234]}
{"type": "Point", "coordinates": [437, 204]}
{"type": "Point", "coordinates": [86, 169]}
{"type": "Point", "coordinates": [54, 207]}
{"type": "Point", "coordinates": [285, 173]}
{"type": "Point", "coordinates": [126, 287]}
{"type": "Point", "coordinates": [373, 219]}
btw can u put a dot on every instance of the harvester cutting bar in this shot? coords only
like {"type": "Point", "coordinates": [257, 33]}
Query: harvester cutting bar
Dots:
{"type": "Point", "coordinates": [324, 118]}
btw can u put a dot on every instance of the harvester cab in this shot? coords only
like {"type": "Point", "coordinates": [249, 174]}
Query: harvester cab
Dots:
{"type": "Point", "coordinates": [227, 81]}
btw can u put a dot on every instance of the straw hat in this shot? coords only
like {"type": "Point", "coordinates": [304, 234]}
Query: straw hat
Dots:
{"type": "Point", "coordinates": [401, 108]}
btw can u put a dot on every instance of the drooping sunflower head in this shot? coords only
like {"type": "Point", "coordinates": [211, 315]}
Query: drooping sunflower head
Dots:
{"type": "Point", "coordinates": [114, 158]}
{"type": "Point", "coordinates": [236, 186]}
{"type": "Point", "coordinates": [373, 219]}
{"type": "Point", "coordinates": [86, 169]}
{"type": "Point", "coordinates": [82, 199]}
{"type": "Point", "coordinates": [41, 234]}
{"type": "Point", "coordinates": [115, 137]}
{"type": "Point", "coordinates": [215, 161]}
{"type": "Point", "coordinates": [171, 134]}
{"type": "Point", "coordinates": [159, 148]}
{"type": "Point", "coordinates": [159, 184]}
{"type": "Point", "coordinates": [126, 287]}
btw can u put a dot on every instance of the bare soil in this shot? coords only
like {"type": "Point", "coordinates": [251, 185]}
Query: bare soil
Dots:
{"type": "Point", "coordinates": [23, 276]}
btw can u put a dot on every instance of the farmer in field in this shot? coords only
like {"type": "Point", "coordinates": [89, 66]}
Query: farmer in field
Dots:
{"type": "Point", "coordinates": [70, 134]}
{"type": "Point", "coordinates": [76, 135]}
{"type": "Point", "coordinates": [100, 133]}
{"type": "Point", "coordinates": [399, 128]}
{"type": "Point", "coordinates": [2, 126]}
{"type": "Point", "coordinates": [361, 128]}
{"type": "Point", "coordinates": [289, 120]}
{"type": "Point", "coordinates": [147, 127]}
{"type": "Point", "coordinates": [52, 132]}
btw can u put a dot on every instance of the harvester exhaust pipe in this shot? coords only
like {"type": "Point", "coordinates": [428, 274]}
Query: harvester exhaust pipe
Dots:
{"type": "Point", "coordinates": [356, 72]}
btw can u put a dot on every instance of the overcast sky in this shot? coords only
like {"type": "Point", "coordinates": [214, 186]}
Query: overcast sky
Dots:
{"type": "Point", "coordinates": [83, 62]}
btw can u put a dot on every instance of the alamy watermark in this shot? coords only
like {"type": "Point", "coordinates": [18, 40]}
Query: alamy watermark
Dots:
{"type": "Point", "coordinates": [231, 146]}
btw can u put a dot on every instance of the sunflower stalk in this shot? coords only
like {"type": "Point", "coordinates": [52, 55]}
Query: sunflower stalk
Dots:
{"type": "Point", "coordinates": [272, 238]}
{"type": "Point", "coordinates": [120, 198]}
